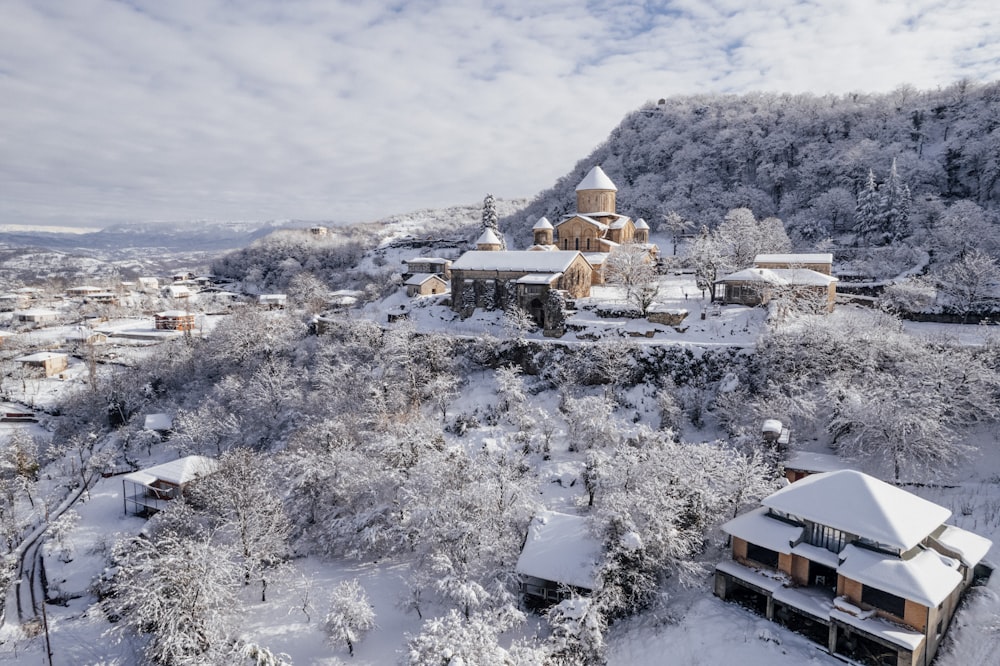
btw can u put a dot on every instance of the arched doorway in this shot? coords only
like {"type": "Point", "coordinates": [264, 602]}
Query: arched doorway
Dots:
{"type": "Point", "coordinates": [537, 310]}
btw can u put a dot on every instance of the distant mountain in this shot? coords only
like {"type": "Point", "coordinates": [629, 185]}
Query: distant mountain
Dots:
{"type": "Point", "coordinates": [802, 158]}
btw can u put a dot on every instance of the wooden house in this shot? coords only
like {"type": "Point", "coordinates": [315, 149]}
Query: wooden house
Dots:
{"type": "Point", "coordinates": [559, 558]}
{"type": "Point", "coordinates": [148, 491]}
{"type": "Point", "coordinates": [866, 569]}
{"type": "Point", "coordinates": [44, 364]}
{"type": "Point", "coordinates": [174, 320]}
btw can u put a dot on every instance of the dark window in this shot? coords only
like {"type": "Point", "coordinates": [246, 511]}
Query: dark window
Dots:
{"type": "Point", "coordinates": [577, 244]}
{"type": "Point", "coordinates": [588, 243]}
{"type": "Point", "coordinates": [565, 243]}
{"type": "Point", "coordinates": [762, 555]}
{"type": "Point", "coordinates": [827, 537]}
{"type": "Point", "coordinates": [883, 600]}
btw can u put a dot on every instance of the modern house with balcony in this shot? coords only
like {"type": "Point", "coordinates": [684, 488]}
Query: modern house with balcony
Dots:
{"type": "Point", "coordinates": [867, 569]}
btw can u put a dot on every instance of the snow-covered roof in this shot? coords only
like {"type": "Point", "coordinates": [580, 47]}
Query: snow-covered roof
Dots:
{"type": "Point", "coordinates": [488, 238]}
{"type": "Point", "coordinates": [428, 260]}
{"type": "Point", "coordinates": [5, 334]}
{"type": "Point", "coordinates": [560, 548]}
{"type": "Point", "coordinates": [515, 260]}
{"type": "Point", "coordinates": [177, 472]}
{"type": "Point", "coordinates": [765, 275]}
{"type": "Point", "coordinates": [619, 223]}
{"type": "Point", "coordinates": [971, 547]}
{"type": "Point", "coordinates": [771, 425]}
{"type": "Point", "coordinates": [543, 248]}
{"type": "Point", "coordinates": [780, 276]}
{"type": "Point", "coordinates": [39, 357]}
{"type": "Point", "coordinates": [539, 278]}
{"type": "Point", "coordinates": [418, 279]}
{"type": "Point", "coordinates": [807, 461]}
{"type": "Point", "coordinates": [174, 313]}
{"type": "Point", "coordinates": [596, 179]}
{"type": "Point", "coordinates": [37, 312]}
{"type": "Point", "coordinates": [862, 505]}
{"type": "Point", "coordinates": [543, 223]}
{"type": "Point", "coordinates": [755, 526]}
{"type": "Point", "coordinates": [816, 258]}
{"type": "Point", "coordinates": [158, 422]}
{"type": "Point", "coordinates": [596, 258]}
{"type": "Point", "coordinates": [586, 218]}
{"type": "Point", "coordinates": [927, 578]}
{"type": "Point", "coordinates": [271, 298]}
{"type": "Point", "coordinates": [641, 224]}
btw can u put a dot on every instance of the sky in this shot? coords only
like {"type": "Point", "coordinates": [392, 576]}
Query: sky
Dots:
{"type": "Point", "coordinates": [352, 110]}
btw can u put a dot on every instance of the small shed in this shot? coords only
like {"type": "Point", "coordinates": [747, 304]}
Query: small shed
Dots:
{"type": "Point", "coordinates": [86, 336]}
{"type": "Point", "coordinates": [45, 364]}
{"type": "Point", "coordinates": [147, 491]}
{"type": "Point", "coordinates": [425, 284]}
{"type": "Point", "coordinates": [560, 557]}
{"type": "Point", "coordinates": [800, 464]}
{"type": "Point", "coordinates": [160, 423]}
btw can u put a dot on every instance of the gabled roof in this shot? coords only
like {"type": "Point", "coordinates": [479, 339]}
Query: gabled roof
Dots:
{"type": "Point", "coordinates": [816, 258]}
{"type": "Point", "coordinates": [560, 548]}
{"type": "Point", "coordinates": [177, 472]}
{"type": "Point", "coordinates": [427, 260]}
{"type": "Point", "coordinates": [859, 504]}
{"type": "Point", "coordinates": [515, 260]}
{"type": "Point", "coordinates": [488, 238]}
{"type": "Point", "coordinates": [596, 179]}
{"type": "Point", "coordinates": [543, 223]}
{"type": "Point", "coordinates": [418, 279]}
{"type": "Point", "coordinates": [586, 218]}
{"type": "Point", "coordinates": [780, 276]}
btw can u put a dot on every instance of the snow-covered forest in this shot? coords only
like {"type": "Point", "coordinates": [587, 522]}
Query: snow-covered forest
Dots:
{"type": "Point", "coordinates": [376, 480]}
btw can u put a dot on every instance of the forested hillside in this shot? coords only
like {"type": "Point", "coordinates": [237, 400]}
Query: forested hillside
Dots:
{"type": "Point", "coordinates": [802, 158]}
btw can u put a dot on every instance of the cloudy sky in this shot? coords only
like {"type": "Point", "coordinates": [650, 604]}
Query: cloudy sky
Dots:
{"type": "Point", "coordinates": [347, 110]}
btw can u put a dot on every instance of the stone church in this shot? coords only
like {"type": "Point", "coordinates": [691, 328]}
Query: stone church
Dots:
{"type": "Point", "coordinates": [596, 229]}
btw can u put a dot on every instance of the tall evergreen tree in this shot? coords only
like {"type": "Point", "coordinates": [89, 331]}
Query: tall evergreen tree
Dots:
{"type": "Point", "coordinates": [491, 220]}
{"type": "Point", "coordinates": [894, 202]}
{"type": "Point", "coordinates": [866, 214]}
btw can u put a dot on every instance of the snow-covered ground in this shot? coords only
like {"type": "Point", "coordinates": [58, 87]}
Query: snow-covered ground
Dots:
{"type": "Point", "coordinates": [700, 630]}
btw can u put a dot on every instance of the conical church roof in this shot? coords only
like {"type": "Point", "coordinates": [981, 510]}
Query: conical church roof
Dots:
{"type": "Point", "coordinates": [596, 179]}
{"type": "Point", "coordinates": [543, 223]}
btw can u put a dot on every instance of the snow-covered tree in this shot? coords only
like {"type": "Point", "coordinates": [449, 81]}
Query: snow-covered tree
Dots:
{"type": "Point", "coordinates": [491, 220]}
{"type": "Point", "coordinates": [741, 237]}
{"type": "Point", "coordinates": [351, 615]}
{"type": "Point", "coordinates": [245, 502]}
{"type": "Point", "coordinates": [577, 633]}
{"type": "Point", "coordinates": [677, 226]}
{"type": "Point", "coordinates": [970, 283]}
{"type": "Point", "coordinates": [894, 204]}
{"type": "Point", "coordinates": [457, 640]}
{"type": "Point", "coordinates": [867, 223]}
{"type": "Point", "coordinates": [630, 267]}
{"type": "Point", "coordinates": [179, 589]}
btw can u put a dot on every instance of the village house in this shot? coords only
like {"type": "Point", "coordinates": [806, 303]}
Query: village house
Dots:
{"type": "Point", "coordinates": [174, 320]}
{"type": "Point", "coordinates": [318, 230]}
{"type": "Point", "coordinates": [870, 571]}
{"type": "Point", "coordinates": [428, 265]}
{"type": "Point", "coordinates": [160, 423]}
{"type": "Point", "coordinates": [425, 284]}
{"type": "Point", "coordinates": [83, 290]}
{"type": "Point", "coordinates": [559, 558]}
{"type": "Point", "coordinates": [37, 316]}
{"type": "Point", "coordinates": [4, 335]}
{"type": "Point", "coordinates": [799, 277]}
{"type": "Point", "coordinates": [44, 364]}
{"type": "Point", "coordinates": [148, 491]}
{"type": "Point", "coordinates": [800, 464]}
{"type": "Point", "coordinates": [82, 335]}
{"type": "Point", "coordinates": [148, 285]}
{"type": "Point", "coordinates": [596, 229]}
{"type": "Point", "coordinates": [272, 301]}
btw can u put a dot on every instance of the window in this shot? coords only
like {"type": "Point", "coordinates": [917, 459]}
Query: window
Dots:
{"type": "Point", "coordinates": [882, 600]}
{"type": "Point", "coordinates": [577, 244]}
{"type": "Point", "coordinates": [762, 555]}
{"type": "Point", "coordinates": [826, 537]}
{"type": "Point", "coordinates": [588, 243]}
{"type": "Point", "coordinates": [565, 243]}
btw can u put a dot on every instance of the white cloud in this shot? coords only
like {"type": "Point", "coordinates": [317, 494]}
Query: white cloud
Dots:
{"type": "Point", "coordinates": [349, 110]}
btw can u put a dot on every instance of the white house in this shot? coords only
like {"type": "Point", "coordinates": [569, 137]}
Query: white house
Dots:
{"type": "Point", "coordinates": [147, 491]}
